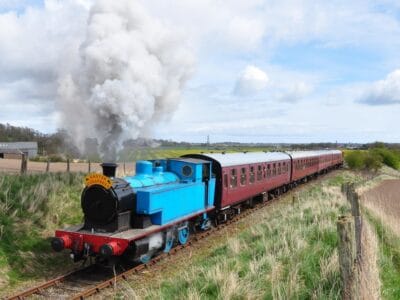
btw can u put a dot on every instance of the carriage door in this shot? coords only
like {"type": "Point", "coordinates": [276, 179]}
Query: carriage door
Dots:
{"type": "Point", "coordinates": [225, 181]}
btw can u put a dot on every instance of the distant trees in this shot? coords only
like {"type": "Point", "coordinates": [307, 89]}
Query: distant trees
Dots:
{"type": "Point", "coordinates": [48, 144]}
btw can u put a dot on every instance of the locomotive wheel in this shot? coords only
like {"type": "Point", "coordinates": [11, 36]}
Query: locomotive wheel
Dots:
{"type": "Point", "coordinates": [183, 235]}
{"type": "Point", "coordinates": [169, 241]}
{"type": "Point", "coordinates": [145, 258]}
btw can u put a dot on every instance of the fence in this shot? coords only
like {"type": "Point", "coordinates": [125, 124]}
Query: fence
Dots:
{"type": "Point", "coordinates": [22, 166]}
{"type": "Point", "coordinates": [350, 246]}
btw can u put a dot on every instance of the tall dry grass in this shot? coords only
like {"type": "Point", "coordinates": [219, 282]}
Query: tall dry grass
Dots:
{"type": "Point", "coordinates": [370, 285]}
{"type": "Point", "coordinates": [284, 252]}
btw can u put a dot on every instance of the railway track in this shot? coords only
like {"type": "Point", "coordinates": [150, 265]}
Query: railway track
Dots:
{"type": "Point", "coordinates": [88, 281]}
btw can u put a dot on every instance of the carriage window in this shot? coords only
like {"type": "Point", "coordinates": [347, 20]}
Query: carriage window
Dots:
{"type": "Point", "coordinates": [251, 179]}
{"type": "Point", "coordinates": [274, 170]}
{"type": "Point", "coordinates": [269, 171]}
{"type": "Point", "coordinates": [243, 176]}
{"type": "Point", "coordinates": [259, 172]}
{"type": "Point", "coordinates": [233, 178]}
{"type": "Point", "coordinates": [225, 180]}
{"type": "Point", "coordinates": [264, 172]}
{"type": "Point", "coordinates": [279, 168]}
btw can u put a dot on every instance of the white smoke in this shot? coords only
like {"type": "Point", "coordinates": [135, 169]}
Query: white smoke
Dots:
{"type": "Point", "coordinates": [129, 75]}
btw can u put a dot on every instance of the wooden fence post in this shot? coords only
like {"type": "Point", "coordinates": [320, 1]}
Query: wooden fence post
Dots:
{"type": "Point", "coordinates": [347, 257]}
{"type": "Point", "coordinates": [355, 211]}
{"type": "Point", "coordinates": [24, 163]}
{"type": "Point", "coordinates": [47, 166]}
{"type": "Point", "coordinates": [124, 169]}
{"type": "Point", "coordinates": [68, 165]}
{"type": "Point", "coordinates": [89, 167]}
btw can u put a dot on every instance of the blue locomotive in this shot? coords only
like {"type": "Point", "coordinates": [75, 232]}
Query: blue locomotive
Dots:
{"type": "Point", "coordinates": [139, 215]}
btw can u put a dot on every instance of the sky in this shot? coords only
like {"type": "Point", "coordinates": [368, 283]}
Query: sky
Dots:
{"type": "Point", "coordinates": [264, 71]}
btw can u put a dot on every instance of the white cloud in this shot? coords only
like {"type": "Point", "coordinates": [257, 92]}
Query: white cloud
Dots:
{"type": "Point", "coordinates": [245, 25]}
{"type": "Point", "coordinates": [295, 91]}
{"type": "Point", "coordinates": [383, 92]}
{"type": "Point", "coordinates": [251, 80]}
{"type": "Point", "coordinates": [38, 42]}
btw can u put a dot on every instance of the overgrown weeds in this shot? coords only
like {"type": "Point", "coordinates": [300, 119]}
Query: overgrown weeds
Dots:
{"type": "Point", "coordinates": [287, 252]}
{"type": "Point", "coordinates": [31, 207]}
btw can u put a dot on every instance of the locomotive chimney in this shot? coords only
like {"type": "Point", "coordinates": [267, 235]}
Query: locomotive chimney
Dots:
{"type": "Point", "coordinates": [109, 169]}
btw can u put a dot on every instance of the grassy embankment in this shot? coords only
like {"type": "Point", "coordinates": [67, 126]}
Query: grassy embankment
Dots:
{"type": "Point", "coordinates": [389, 257]}
{"type": "Point", "coordinates": [31, 207]}
{"type": "Point", "coordinates": [286, 251]}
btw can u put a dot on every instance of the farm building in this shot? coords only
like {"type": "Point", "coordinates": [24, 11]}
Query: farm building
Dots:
{"type": "Point", "coordinates": [15, 150]}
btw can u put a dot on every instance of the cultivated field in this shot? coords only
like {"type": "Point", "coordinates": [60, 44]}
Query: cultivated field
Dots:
{"type": "Point", "coordinates": [384, 202]}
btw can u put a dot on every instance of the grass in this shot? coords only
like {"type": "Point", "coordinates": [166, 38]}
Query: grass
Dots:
{"type": "Point", "coordinates": [31, 207]}
{"type": "Point", "coordinates": [389, 258]}
{"type": "Point", "coordinates": [284, 252]}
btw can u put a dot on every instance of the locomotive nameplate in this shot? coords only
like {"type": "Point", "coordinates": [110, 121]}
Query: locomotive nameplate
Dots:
{"type": "Point", "coordinates": [99, 179]}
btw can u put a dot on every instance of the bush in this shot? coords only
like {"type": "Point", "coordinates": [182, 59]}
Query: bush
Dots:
{"type": "Point", "coordinates": [355, 159]}
{"type": "Point", "coordinates": [391, 158]}
{"type": "Point", "coordinates": [363, 160]}
{"type": "Point", "coordinates": [372, 161]}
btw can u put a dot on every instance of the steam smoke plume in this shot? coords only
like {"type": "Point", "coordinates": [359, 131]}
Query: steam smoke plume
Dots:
{"type": "Point", "coordinates": [129, 75]}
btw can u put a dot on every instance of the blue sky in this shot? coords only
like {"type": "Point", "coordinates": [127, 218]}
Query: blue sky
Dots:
{"type": "Point", "coordinates": [265, 71]}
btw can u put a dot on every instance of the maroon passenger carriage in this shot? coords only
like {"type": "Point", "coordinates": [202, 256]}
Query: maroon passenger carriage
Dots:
{"type": "Point", "coordinates": [242, 178]}
{"type": "Point", "coordinates": [307, 164]}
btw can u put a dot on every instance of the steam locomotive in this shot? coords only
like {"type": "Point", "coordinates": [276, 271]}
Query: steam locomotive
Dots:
{"type": "Point", "coordinates": [136, 217]}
